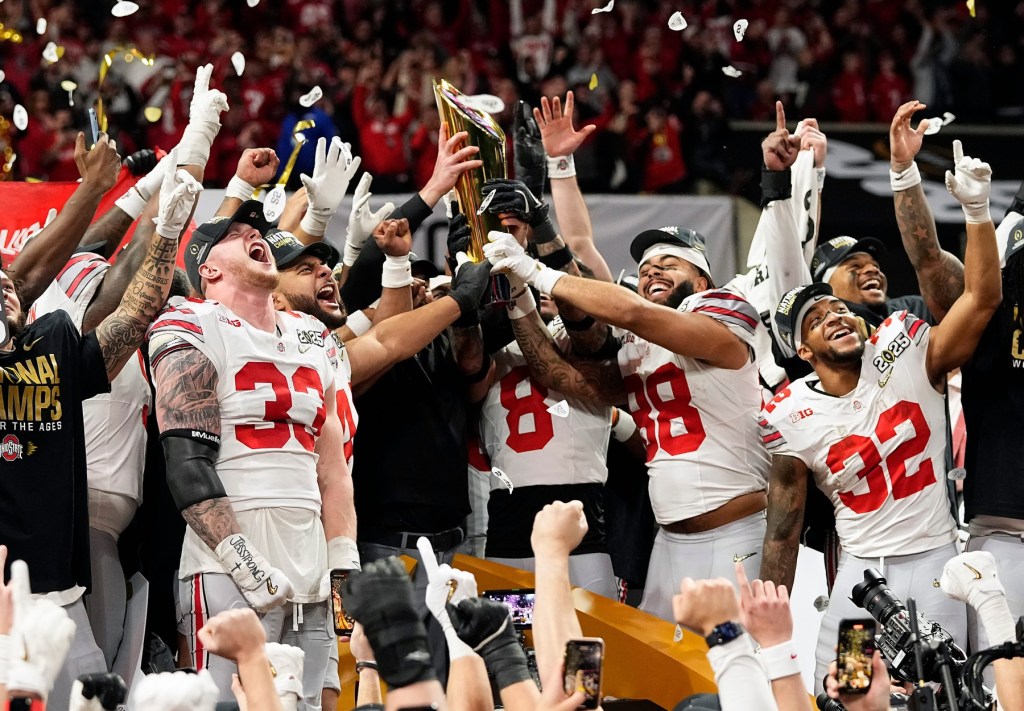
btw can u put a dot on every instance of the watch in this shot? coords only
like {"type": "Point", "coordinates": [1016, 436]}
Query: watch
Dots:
{"type": "Point", "coordinates": [725, 632]}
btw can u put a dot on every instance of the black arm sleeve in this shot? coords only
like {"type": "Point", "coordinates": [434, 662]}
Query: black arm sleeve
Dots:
{"type": "Point", "coordinates": [191, 467]}
{"type": "Point", "coordinates": [775, 185]}
{"type": "Point", "coordinates": [362, 287]}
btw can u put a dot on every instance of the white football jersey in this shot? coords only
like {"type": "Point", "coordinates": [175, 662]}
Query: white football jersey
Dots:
{"type": "Point", "coordinates": [346, 404]}
{"type": "Point", "coordinates": [539, 436]}
{"type": "Point", "coordinates": [115, 422]}
{"type": "Point", "coordinates": [878, 453]}
{"type": "Point", "coordinates": [698, 421]}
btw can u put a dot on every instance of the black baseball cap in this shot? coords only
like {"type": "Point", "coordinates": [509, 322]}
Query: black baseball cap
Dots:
{"type": "Point", "coordinates": [1014, 241]}
{"type": "Point", "coordinates": [286, 248]}
{"type": "Point", "coordinates": [837, 249]}
{"type": "Point", "coordinates": [423, 268]}
{"type": "Point", "coordinates": [671, 235]}
{"type": "Point", "coordinates": [208, 234]}
{"type": "Point", "coordinates": [787, 313]}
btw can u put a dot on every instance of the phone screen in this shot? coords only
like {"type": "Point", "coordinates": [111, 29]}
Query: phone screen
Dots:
{"type": "Point", "coordinates": [856, 648]}
{"type": "Point", "coordinates": [94, 126]}
{"type": "Point", "coordinates": [343, 624]}
{"type": "Point", "coordinates": [583, 661]}
{"type": "Point", "coordinates": [519, 602]}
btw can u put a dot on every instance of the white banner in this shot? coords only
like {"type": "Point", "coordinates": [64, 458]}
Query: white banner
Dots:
{"type": "Point", "coordinates": [616, 220]}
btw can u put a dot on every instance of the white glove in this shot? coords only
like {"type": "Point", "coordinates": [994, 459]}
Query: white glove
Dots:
{"type": "Point", "coordinates": [133, 202]}
{"type": "Point", "coordinates": [970, 184]}
{"type": "Point", "coordinates": [264, 586]}
{"type": "Point", "coordinates": [286, 661]}
{"type": "Point", "coordinates": [99, 691]}
{"type": "Point", "coordinates": [362, 222]}
{"type": "Point", "coordinates": [342, 554]}
{"type": "Point", "coordinates": [332, 172]}
{"type": "Point", "coordinates": [40, 638]}
{"type": "Point", "coordinates": [176, 691]}
{"type": "Point", "coordinates": [203, 120]}
{"type": "Point", "coordinates": [440, 581]}
{"type": "Point", "coordinates": [507, 255]}
{"type": "Point", "coordinates": [974, 578]}
{"type": "Point", "coordinates": [178, 194]}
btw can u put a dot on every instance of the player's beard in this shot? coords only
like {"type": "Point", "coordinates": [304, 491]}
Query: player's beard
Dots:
{"type": "Point", "coordinates": [833, 357]}
{"type": "Point", "coordinates": [678, 294]}
{"type": "Point", "coordinates": [303, 303]}
{"type": "Point", "coordinates": [259, 278]}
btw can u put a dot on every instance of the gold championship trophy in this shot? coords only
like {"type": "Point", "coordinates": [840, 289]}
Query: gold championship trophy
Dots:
{"type": "Point", "coordinates": [486, 134]}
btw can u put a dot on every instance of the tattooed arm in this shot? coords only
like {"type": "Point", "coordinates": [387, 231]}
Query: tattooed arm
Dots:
{"type": "Point", "coordinates": [588, 380]}
{"type": "Point", "coordinates": [787, 494]}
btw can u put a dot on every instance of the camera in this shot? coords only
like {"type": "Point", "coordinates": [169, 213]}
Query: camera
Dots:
{"type": "Point", "coordinates": [896, 640]}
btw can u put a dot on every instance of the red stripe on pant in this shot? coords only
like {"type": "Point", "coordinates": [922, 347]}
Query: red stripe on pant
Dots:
{"type": "Point", "coordinates": [198, 653]}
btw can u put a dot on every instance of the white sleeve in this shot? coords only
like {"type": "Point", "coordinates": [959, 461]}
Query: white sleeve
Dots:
{"type": "Point", "coordinates": [1003, 234]}
{"type": "Point", "coordinates": [742, 682]}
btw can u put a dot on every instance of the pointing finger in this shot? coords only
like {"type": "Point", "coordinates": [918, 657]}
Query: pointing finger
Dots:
{"type": "Point", "coordinates": [21, 589]}
{"type": "Point", "coordinates": [780, 116]}
{"type": "Point", "coordinates": [958, 151]}
{"type": "Point", "coordinates": [428, 557]}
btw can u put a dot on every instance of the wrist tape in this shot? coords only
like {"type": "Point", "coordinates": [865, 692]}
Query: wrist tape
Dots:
{"type": "Point", "coordinates": [624, 426]}
{"type": "Point", "coordinates": [238, 189]}
{"type": "Point", "coordinates": [132, 203]}
{"type": "Point", "coordinates": [522, 305]}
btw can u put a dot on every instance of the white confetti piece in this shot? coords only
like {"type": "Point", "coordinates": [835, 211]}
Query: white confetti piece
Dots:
{"type": "Point", "coordinates": [948, 118]}
{"type": "Point", "coordinates": [677, 636]}
{"type": "Point", "coordinates": [731, 71]}
{"type": "Point", "coordinates": [20, 117]}
{"type": "Point", "coordinates": [821, 603]}
{"type": "Point", "coordinates": [739, 28]}
{"type": "Point", "coordinates": [934, 126]}
{"type": "Point", "coordinates": [41, 26]}
{"type": "Point", "coordinates": [677, 22]}
{"type": "Point", "coordinates": [503, 478]}
{"type": "Point", "coordinates": [3, 75]}
{"type": "Point", "coordinates": [273, 206]}
{"type": "Point", "coordinates": [124, 8]}
{"type": "Point", "coordinates": [238, 62]}
{"type": "Point", "coordinates": [487, 103]}
{"type": "Point", "coordinates": [314, 95]}
{"type": "Point", "coordinates": [486, 202]}
{"type": "Point", "coordinates": [252, 3]}
{"type": "Point", "coordinates": [606, 8]}
{"type": "Point", "coordinates": [69, 86]}
{"type": "Point", "coordinates": [958, 474]}
{"type": "Point", "coordinates": [50, 52]}
{"type": "Point", "coordinates": [560, 409]}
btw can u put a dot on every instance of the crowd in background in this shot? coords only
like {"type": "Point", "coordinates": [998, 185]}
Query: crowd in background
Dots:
{"type": "Point", "coordinates": [659, 97]}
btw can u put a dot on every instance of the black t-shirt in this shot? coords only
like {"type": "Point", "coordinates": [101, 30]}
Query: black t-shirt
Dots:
{"type": "Point", "coordinates": [44, 515]}
{"type": "Point", "coordinates": [510, 517]}
{"type": "Point", "coordinates": [993, 400]}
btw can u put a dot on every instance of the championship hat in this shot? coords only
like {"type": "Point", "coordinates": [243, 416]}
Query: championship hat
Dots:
{"type": "Point", "coordinates": [208, 234]}
{"type": "Point", "coordinates": [832, 253]}
{"type": "Point", "coordinates": [792, 308]}
{"type": "Point", "coordinates": [286, 248]}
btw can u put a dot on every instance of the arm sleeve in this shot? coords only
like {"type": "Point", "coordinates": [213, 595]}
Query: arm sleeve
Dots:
{"type": "Point", "coordinates": [742, 682]}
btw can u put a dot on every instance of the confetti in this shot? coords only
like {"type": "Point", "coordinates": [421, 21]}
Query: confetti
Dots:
{"type": "Point", "coordinates": [152, 113]}
{"type": "Point", "coordinates": [821, 603]}
{"type": "Point", "coordinates": [593, 81]}
{"type": "Point", "coordinates": [238, 62]}
{"type": "Point", "coordinates": [50, 53]}
{"type": "Point", "coordinates": [731, 71]}
{"type": "Point", "coordinates": [69, 86]}
{"type": "Point", "coordinates": [273, 205]}
{"type": "Point", "coordinates": [739, 28]}
{"type": "Point", "coordinates": [947, 118]}
{"type": "Point", "coordinates": [503, 478]}
{"type": "Point", "coordinates": [3, 75]}
{"type": "Point", "coordinates": [958, 474]}
{"type": "Point", "coordinates": [560, 409]}
{"type": "Point", "coordinates": [677, 636]}
{"type": "Point", "coordinates": [314, 95]}
{"type": "Point", "coordinates": [677, 22]}
{"type": "Point", "coordinates": [934, 126]}
{"type": "Point", "coordinates": [486, 202]}
{"type": "Point", "coordinates": [970, 7]}
{"type": "Point", "coordinates": [606, 8]}
{"type": "Point", "coordinates": [41, 26]}
{"type": "Point", "coordinates": [252, 3]}
{"type": "Point", "coordinates": [124, 8]}
{"type": "Point", "coordinates": [485, 103]}
{"type": "Point", "coordinates": [20, 117]}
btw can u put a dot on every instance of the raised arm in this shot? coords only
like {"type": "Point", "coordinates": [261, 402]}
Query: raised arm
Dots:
{"type": "Point", "coordinates": [256, 167]}
{"type": "Point", "coordinates": [953, 341]}
{"type": "Point", "coordinates": [336, 491]}
{"type": "Point", "coordinates": [333, 169]}
{"type": "Point", "coordinates": [787, 496]}
{"type": "Point", "coordinates": [43, 256]}
{"type": "Point", "coordinates": [940, 275]}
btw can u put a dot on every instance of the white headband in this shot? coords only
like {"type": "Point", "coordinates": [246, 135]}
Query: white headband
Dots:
{"type": "Point", "coordinates": [798, 325]}
{"type": "Point", "coordinates": [689, 254]}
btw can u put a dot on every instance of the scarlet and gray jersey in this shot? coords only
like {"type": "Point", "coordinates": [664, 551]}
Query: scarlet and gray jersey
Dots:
{"type": "Point", "coordinates": [270, 388]}
{"type": "Point", "coordinates": [346, 404]}
{"type": "Point", "coordinates": [539, 436]}
{"type": "Point", "coordinates": [697, 420]}
{"type": "Point", "coordinates": [878, 452]}
{"type": "Point", "coordinates": [115, 423]}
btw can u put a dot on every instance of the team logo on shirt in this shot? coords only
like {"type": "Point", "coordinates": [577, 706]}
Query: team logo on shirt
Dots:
{"type": "Point", "coordinates": [229, 321]}
{"type": "Point", "coordinates": [11, 448]}
{"type": "Point", "coordinates": [800, 414]}
{"type": "Point", "coordinates": [886, 357]}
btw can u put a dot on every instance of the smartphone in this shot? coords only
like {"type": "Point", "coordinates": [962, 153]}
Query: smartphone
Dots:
{"type": "Point", "coordinates": [856, 649]}
{"type": "Point", "coordinates": [94, 126]}
{"type": "Point", "coordinates": [584, 658]}
{"type": "Point", "coordinates": [519, 602]}
{"type": "Point", "coordinates": [343, 623]}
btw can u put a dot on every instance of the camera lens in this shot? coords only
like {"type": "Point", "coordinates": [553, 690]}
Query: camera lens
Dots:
{"type": "Point", "coordinates": [875, 597]}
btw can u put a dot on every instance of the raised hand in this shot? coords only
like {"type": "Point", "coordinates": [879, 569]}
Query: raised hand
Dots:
{"type": "Point", "coordinates": [970, 184]}
{"type": "Point", "coordinates": [530, 160]}
{"type": "Point", "coordinates": [207, 104]}
{"type": "Point", "coordinates": [507, 255]}
{"type": "Point", "coordinates": [764, 610]}
{"type": "Point", "coordinates": [811, 138]}
{"type": "Point", "coordinates": [556, 129]}
{"type": "Point", "coordinates": [394, 237]}
{"type": "Point", "coordinates": [99, 166]}
{"type": "Point", "coordinates": [558, 529]}
{"type": "Point", "coordinates": [779, 149]}
{"type": "Point", "coordinates": [451, 162]}
{"type": "Point", "coordinates": [904, 140]}
{"type": "Point", "coordinates": [257, 166]}
{"type": "Point", "coordinates": [361, 221]}
{"type": "Point", "coordinates": [178, 194]}
{"type": "Point", "coordinates": [332, 172]}
{"type": "Point", "coordinates": [702, 605]}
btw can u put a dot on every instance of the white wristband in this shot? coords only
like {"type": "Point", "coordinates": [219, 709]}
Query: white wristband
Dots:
{"type": "Point", "coordinates": [819, 174]}
{"type": "Point", "coordinates": [358, 323]}
{"type": "Point", "coordinates": [351, 254]}
{"type": "Point", "coordinates": [239, 189]}
{"type": "Point", "coordinates": [624, 426]}
{"type": "Point", "coordinates": [996, 620]}
{"type": "Point", "coordinates": [546, 279]}
{"type": "Point", "coordinates": [313, 225]}
{"type": "Point", "coordinates": [397, 272]}
{"type": "Point", "coordinates": [977, 213]}
{"type": "Point", "coordinates": [343, 553]}
{"type": "Point", "coordinates": [132, 203]}
{"type": "Point", "coordinates": [522, 305]}
{"type": "Point", "coordinates": [561, 167]}
{"type": "Point", "coordinates": [780, 661]}
{"type": "Point", "coordinates": [905, 180]}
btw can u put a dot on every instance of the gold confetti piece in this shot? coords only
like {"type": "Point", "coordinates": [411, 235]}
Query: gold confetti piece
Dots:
{"type": "Point", "coordinates": [152, 113]}
{"type": "Point", "coordinates": [970, 7]}
{"type": "Point", "coordinates": [593, 81]}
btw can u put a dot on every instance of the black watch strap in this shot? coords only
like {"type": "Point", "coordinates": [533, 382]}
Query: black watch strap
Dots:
{"type": "Point", "coordinates": [725, 632]}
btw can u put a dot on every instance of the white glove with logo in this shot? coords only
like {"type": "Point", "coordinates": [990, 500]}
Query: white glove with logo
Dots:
{"type": "Point", "coordinates": [332, 171]}
{"type": "Point", "coordinates": [361, 221]}
{"type": "Point", "coordinates": [443, 580]}
{"type": "Point", "coordinates": [176, 691]}
{"type": "Point", "coordinates": [264, 586]}
{"type": "Point", "coordinates": [286, 664]}
{"type": "Point", "coordinates": [974, 578]}
{"type": "Point", "coordinates": [507, 255]}
{"type": "Point", "coordinates": [133, 202]}
{"type": "Point", "coordinates": [40, 637]}
{"type": "Point", "coordinates": [203, 120]}
{"type": "Point", "coordinates": [970, 184]}
{"type": "Point", "coordinates": [178, 194]}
